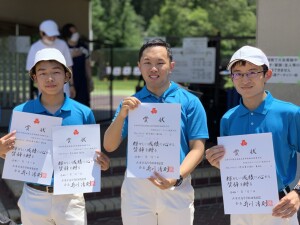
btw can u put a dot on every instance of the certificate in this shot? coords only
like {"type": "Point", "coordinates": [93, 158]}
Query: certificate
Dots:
{"type": "Point", "coordinates": [31, 158]}
{"type": "Point", "coordinates": [248, 174]}
{"type": "Point", "coordinates": [154, 140]}
{"type": "Point", "coordinates": [75, 170]}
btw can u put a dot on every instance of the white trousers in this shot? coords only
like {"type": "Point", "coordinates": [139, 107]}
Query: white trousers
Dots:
{"type": "Point", "coordinates": [42, 208]}
{"type": "Point", "coordinates": [262, 219]}
{"type": "Point", "coordinates": [144, 203]}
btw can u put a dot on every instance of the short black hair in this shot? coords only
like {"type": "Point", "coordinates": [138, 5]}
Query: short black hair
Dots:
{"type": "Point", "coordinates": [65, 31]}
{"type": "Point", "coordinates": [156, 42]}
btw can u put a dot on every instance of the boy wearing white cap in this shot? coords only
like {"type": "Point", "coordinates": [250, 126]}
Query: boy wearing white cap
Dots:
{"type": "Point", "coordinates": [48, 33]}
{"type": "Point", "coordinates": [37, 203]}
{"type": "Point", "coordinates": [260, 112]}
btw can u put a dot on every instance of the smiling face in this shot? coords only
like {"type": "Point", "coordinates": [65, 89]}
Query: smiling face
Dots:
{"type": "Point", "coordinates": [252, 89]}
{"type": "Point", "coordinates": [50, 77]}
{"type": "Point", "coordinates": [156, 67]}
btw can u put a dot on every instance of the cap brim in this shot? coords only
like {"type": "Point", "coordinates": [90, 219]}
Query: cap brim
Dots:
{"type": "Point", "coordinates": [52, 33]}
{"type": "Point", "coordinates": [250, 61]}
{"type": "Point", "coordinates": [31, 70]}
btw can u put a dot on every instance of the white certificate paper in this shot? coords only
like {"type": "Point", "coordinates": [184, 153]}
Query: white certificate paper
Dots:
{"type": "Point", "coordinates": [154, 140]}
{"type": "Point", "coordinates": [31, 159]}
{"type": "Point", "coordinates": [248, 174]}
{"type": "Point", "coordinates": [75, 170]}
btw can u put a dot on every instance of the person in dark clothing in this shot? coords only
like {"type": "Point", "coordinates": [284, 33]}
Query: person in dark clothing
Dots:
{"type": "Point", "coordinates": [82, 76]}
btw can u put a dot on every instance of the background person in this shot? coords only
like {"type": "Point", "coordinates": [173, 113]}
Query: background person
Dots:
{"type": "Point", "coordinates": [158, 200]}
{"type": "Point", "coordinates": [82, 72]}
{"type": "Point", "coordinates": [260, 112]}
{"type": "Point", "coordinates": [49, 39]}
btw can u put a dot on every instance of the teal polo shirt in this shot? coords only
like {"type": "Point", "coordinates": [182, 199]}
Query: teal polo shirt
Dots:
{"type": "Point", "coordinates": [193, 117]}
{"type": "Point", "coordinates": [71, 112]}
{"type": "Point", "coordinates": [280, 118]}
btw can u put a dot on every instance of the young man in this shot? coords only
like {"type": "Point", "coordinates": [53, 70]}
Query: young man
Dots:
{"type": "Point", "coordinates": [37, 203]}
{"type": "Point", "coordinates": [260, 112]}
{"type": "Point", "coordinates": [49, 33]}
{"type": "Point", "coordinates": [155, 200]}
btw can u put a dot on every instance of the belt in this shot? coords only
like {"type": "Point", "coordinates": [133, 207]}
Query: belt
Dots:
{"type": "Point", "coordinates": [284, 192]}
{"type": "Point", "coordinates": [48, 189]}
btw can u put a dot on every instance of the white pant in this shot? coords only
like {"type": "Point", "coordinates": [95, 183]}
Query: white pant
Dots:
{"type": "Point", "coordinates": [144, 203]}
{"type": "Point", "coordinates": [42, 208]}
{"type": "Point", "coordinates": [261, 219]}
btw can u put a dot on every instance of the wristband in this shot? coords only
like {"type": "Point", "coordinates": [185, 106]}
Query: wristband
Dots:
{"type": "Point", "coordinates": [297, 189]}
{"type": "Point", "coordinates": [178, 181]}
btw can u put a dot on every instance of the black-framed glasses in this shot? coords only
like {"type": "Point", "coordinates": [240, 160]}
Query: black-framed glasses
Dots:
{"type": "Point", "coordinates": [250, 74]}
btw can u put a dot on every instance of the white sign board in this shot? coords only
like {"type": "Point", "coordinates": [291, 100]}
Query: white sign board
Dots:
{"type": "Point", "coordinates": [194, 67]}
{"type": "Point", "coordinates": [136, 71]}
{"type": "Point", "coordinates": [194, 45]}
{"type": "Point", "coordinates": [117, 71]}
{"type": "Point", "coordinates": [286, 69]}
{"type": "Point", "coordinates": [126, 71]}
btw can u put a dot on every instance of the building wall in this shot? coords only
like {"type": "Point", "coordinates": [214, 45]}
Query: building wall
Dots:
{"type": "Point", "coordinates": [278, 34]}
{"type": "Point", "coordinates": [33, 12]}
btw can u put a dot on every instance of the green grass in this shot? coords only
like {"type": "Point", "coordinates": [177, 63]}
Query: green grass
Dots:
{"type": "Point", "coordinates": [120, 87]}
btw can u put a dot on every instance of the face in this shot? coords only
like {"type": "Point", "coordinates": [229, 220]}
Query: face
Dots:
{"type": "Point", "coordinates": [250, 88]}
{"type": "Point", "coordinates": [156, 68]}
{"type": "Point", "coordinates": [47, 40]}
{"type": "Point", "coordinates": [50, 77]}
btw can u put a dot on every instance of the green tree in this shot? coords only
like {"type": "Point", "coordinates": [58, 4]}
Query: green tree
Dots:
{"type": "Point", "coordinates": [229, 18]}
{"type": "Point", "coordinates": [125, 22]}
{"type": "Point", "coordinates": [232, 18]}
{"type": "Point", "coordinates": [98, 25]}
{"type": "Point", "coordinates": [147, 9]}
{"type": "Point", "coordinates": [176, 18]}
{"type": "Point", "coordinates": [117, 22]}
{"type": "Point", "coordinates": [202, 17]}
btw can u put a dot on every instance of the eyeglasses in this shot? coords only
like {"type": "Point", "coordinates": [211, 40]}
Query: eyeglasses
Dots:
{"type": "Point", "coordinates": [251, 74]}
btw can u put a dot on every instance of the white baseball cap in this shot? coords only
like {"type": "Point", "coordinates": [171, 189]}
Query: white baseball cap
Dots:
{"type": "Point", "coordinates": [47, 54]}
{"type": "Point", "coordinates": [50, 28]}
{"type": "Point", "coordinates": [249, 54]}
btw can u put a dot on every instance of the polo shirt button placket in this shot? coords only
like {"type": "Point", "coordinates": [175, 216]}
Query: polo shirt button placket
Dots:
{"type": "Point", "coordinates": [251, 119]}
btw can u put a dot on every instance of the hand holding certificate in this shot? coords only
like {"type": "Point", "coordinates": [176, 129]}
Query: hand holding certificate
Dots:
{"type": "Point", "coordinates": [248, 167]}
{"type": "Point", "coordinates": [154, 140]}
{"type": "Point", "coordinates": [31, 158]}
{"type": "Point", "coordinates": [75, 169]}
